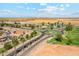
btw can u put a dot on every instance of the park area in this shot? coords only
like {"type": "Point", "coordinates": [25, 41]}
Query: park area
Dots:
{"type": "Point", "coordinates": [69, 38]}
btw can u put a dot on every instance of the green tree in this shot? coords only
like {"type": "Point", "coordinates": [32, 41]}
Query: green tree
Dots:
{"type": "Point", "coordinates": [15, 41]}
{"type": "Point", "coordinates": [7, 45]}
{"type": "Point", "coordinates": [22, 39]}
{"type": "Point", "coordinates": [27, 36]}
{"type": "Point", "coordinates": [51, 26]}
{"type": "Point", "coordinates": [18, 26]}
{"type": "Point", "coordinates": [69, 42]}
{"type": "Point", "coordinates": [58, 37]}
{"type": "Point", "coordinates": [25, 25]}
{"type": "Point", "coordinates": [68, 27]}
{"type": "Point", "coordinates": [32, 27]}
{"type": "Point", "coordinates": [34, 33]}
{"type": "Point", "coordinates": [43, 23]}
{"type": "Point", "coordinates": [2, 50]}
{"type": "Point", "coordinates": [31, 35]}
{"type": "Point", "coordinates": [62, 24]}
{"type": "Point", "coordinates": [2, 24]}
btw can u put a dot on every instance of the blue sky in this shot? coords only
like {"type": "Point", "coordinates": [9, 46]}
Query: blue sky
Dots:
{"type": "Point", "coordinates": [39, 10]}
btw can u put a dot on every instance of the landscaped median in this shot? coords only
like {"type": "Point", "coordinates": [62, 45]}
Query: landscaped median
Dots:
{"type": "Point", "coordinates": [15, 45]}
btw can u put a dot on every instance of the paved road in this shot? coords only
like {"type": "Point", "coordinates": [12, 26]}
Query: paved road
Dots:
{"type": "Point", "coordinates": [40, 45]}
{"type": "Point", "coordinates": [27, 45]}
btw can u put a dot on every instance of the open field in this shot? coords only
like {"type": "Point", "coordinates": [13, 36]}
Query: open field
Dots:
{"type": "Point", "coordinates": [40, 20]}
{"type": "Point", "coordinates": [73, 21]}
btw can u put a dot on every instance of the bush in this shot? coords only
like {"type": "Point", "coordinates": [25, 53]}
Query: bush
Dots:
{"type": "Point", "coordinates": [27, 36]}
{"type": "Point", "coordinates": [69, 42]}
{"type": "Point", "coordinates": [34, 33]}
{"type": "Point", "coordinates": [7, 45]}
{"type": "Point", "coordinates": [68, 27]}
{"type": "Point", "coordinates": [15, 42]}
{"type": "Point", "coordinates": [22, 39]}
{"type": "Point", "coordinates": [31, 35]}
{"type": "Point", "coordinates": [58, 37]}
{"type": "Point", "coordinates": [2, 50]}
{"type": "Point", "coordinates": [43, 23]}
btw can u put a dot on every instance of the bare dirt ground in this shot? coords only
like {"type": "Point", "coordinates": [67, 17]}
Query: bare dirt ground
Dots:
{"type": "Point", "coordinates": [45, 49]}
{"type": "Point", "coordinates": [45, 20]}
{"type": "Point", "coordinates": [72, 21]}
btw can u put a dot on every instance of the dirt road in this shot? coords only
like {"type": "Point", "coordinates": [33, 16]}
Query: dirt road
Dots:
{"type": "Point", "coordinates": [45, 49]}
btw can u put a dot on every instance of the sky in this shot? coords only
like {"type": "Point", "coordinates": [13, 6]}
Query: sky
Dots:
{"type": "Point", "coordinates": [28, 10]}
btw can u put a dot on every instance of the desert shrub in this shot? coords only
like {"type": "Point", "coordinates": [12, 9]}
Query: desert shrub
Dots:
{"type": "Point", "coordinates": [7, 45]}
{"type": "Point", "coordinates": [58, 37]}
{"type": "Point", "coordinates": [22, 39]}
{"type": "Point", "coordinates": [34, 33]}
{"type": "Point", "coordinates": [27, 36]}
{"type": "Point", "coordinates": [69, 27]}
{"type": "Point", "coordinates": [15, 42]}
{"type": "Point", "coordinates": [2, 50]}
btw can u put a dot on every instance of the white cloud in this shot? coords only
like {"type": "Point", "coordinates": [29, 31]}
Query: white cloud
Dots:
{"type": "Point", "coordinates": [67, 5]}
{"type": "Point", "coordinates": [43, 3]}
{"type": "Point", "coordinates": [19, 6]}
{"type": "Point", "coordinates": [5, 11]}
{"type": "Point", "coordinates": [33, 8]}
{"type": "Point", "coordinates": [25, 3]}
{"type": "Point", "coordinates": [61, 9]}
{"type": "Point", "coordinates": [48, 9]}
{"type": "Point", "coordinates": [27, 8]}
{"type": "Point", "coordinates": [61, 5]}
{"type": "Point", "coordinates": [51, 9]}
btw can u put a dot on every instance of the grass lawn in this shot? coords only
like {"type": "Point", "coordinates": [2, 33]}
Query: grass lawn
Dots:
{"type": "Point", "coordinates": [72, 38]}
